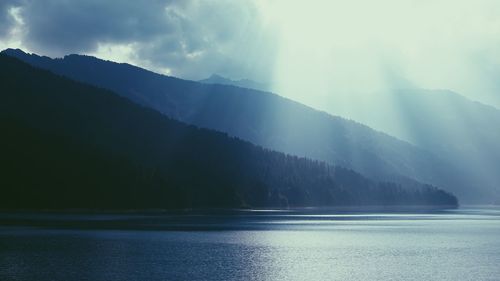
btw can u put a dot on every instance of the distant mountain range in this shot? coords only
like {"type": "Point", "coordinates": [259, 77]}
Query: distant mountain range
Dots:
{"type": "Point", "coordinates": [449, 125]}
{"type": "Point", "coordinates": [271, 121]}
{"type": "Point", "coordinates": [445, 123]}
{"type": "Point", "coordinates": [67, 145]}
{"type": "Point", "coordinates": [243, 83]}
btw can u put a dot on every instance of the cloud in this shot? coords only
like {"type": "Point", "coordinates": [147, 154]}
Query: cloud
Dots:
{"type": "Point", "coordinates": [370, 46]}
{"type": "Point", "coordinates": [7, 19]}
{"type": "Point", "coordinates": [191, 39]}
{"type": "Point", "coordinates": [58, 26]}
{"type": "Point", "coordinates": [311, 50]}
{"type": "Point", "coordinates": [225, 37]}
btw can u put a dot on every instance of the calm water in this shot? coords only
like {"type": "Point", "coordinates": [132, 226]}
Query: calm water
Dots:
{"type": "Point", "coordinates": [455, 245]}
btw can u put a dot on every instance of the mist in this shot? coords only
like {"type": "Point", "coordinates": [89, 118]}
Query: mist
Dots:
{"type": "Point", "coordinates": [312, 52]}
{"type": "Point", "coordinates": [249, 140]}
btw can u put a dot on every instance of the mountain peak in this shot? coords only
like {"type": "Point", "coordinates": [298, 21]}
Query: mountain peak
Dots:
{"type": "Point", "coordinates": [14, 52]}
{"type": "Point", "coordinates": [218, 79]}
{"type": "Point", "coordinates": [217, 76]}
{"type": "Point", "coordinates": [242, 83]}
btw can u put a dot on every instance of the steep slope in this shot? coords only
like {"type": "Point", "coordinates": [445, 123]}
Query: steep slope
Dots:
{"type": "Point", "coordinates": [443, 122]}
{"type": "Point", "coordinates": [69, 145]}
{"type": "Point", "coordinates": [265, 119]}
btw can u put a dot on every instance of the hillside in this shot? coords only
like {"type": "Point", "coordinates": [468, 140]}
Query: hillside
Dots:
{"type": "Point", "coordinates": [268, 120]}
{"type": "Point", "coordinates": [443, 122]}
{"type": "Point", "coordinates": [70, 145]}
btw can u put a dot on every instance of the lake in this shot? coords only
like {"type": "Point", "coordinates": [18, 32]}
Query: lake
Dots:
{"type": "Point", "coordinates": [462, 244]}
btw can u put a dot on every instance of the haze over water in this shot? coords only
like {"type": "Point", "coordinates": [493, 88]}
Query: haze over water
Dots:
{"type": "Point", "coordinates": [451, 245]}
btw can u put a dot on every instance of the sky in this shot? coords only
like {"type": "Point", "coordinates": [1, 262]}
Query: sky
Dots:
{"type": "Point", "coordinates": [310, 51]}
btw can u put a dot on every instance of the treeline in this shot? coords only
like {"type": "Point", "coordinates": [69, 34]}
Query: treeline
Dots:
{"type": "Point", "coordinates": [69, 145]}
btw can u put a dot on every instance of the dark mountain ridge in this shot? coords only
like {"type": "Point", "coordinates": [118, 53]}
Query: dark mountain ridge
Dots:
{"type": "Point", "coordinates": [266, 119]}
{"type": "Point", "coordinates": [67, 145]}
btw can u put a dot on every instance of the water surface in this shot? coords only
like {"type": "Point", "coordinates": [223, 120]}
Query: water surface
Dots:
{"type": "Point", "coordinates": [460, 244]}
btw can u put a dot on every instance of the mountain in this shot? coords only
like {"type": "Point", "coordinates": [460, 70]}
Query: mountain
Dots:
{"type": "Point", "coordinates": [70, 145]}
{"type": "Point", "coordinates": [268, 120]}
{"type": "Point", "coordinates": [441, 121]}
{"type": "Point", "coordinates": [243, 83]}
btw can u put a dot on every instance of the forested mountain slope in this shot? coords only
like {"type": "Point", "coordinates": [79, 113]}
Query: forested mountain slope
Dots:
{"type": "Point", "coordinates": [266, 119]}
{"type": "Point", "coordinates": [65, 144]}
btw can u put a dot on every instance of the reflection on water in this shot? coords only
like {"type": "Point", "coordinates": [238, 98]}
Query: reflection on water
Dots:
{"type": "Point", "coordinates": [302, 245]}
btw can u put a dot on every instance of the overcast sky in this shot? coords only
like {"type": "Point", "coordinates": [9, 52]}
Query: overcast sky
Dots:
{"type": "Point", "coordinates": [309, 50]}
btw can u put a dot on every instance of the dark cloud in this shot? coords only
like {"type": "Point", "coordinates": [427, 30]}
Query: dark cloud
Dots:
{"type": "Point", "coordinates": [192, 38]}
{"type": "Point", "coordinates": [59, 26]}
{"type": "Point", "coordinates": [226, 37]}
